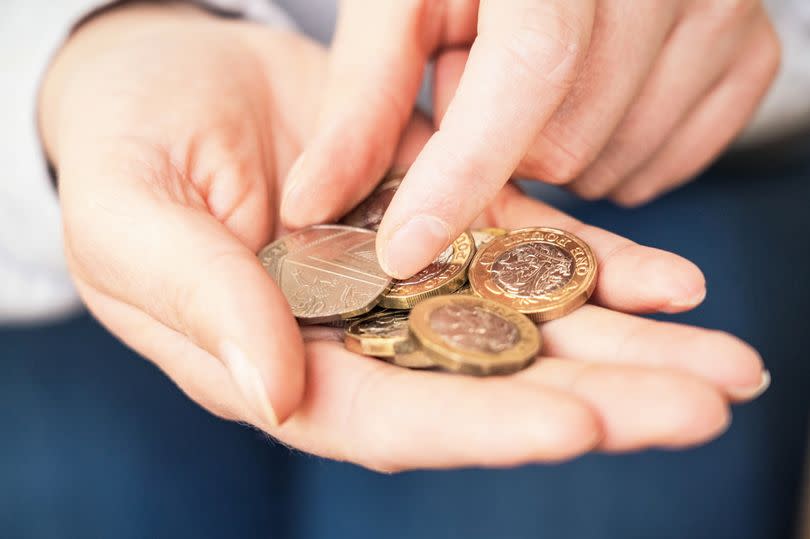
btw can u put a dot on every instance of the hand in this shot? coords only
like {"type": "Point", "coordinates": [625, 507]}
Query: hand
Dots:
{"type": "Point", "coordinates": [171, 130]}
{"type": "Point", "coordinates": [615, 98]}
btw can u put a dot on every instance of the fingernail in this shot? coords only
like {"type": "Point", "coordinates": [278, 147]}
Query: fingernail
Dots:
{"type": "Point", "coordinates": [682, 303]}
{"type": "Point", "coordinates": [413, 245]}
{"type": "Point", "coordinates": [748, 394]}
{"type": "Point", "coordinates": [292, 189]}
{"type": "Point", "coordinates": [249, 381]}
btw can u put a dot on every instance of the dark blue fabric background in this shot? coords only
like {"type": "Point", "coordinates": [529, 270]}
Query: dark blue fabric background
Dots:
{"type": "Point", "coordinates": [95, 442]}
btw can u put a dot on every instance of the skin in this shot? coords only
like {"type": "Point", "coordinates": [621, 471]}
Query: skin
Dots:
{"type": "Point", "coordinates": [613, 98]}
{"type": "Point", "coordinates": [172, 130]}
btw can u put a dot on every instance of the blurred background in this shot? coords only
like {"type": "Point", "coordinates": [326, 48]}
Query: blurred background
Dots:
{"type": "Point", "coordinates": [96, 442]}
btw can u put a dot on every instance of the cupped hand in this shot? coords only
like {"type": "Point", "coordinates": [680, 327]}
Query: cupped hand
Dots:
{"type": "Point", "coordinates": [171, 131]}
{"type": "Point", "coordinates": [615, 98]}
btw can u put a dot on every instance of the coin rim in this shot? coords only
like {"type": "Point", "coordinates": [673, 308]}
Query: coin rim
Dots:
{"type": "Point", "coordinates": [411, 299]}
{"type": "Point", "coordinates": [401, 360]}
{"type": "Point", "coordinates": [547, 310]}
{"type": "Point", "coordinates": [466, 361]}
{"type": "Point", "coordinates": [494, 231]}
{"type": "Point", "coordinates": [382, 347]}
{"type": "Point", "coordinates": [338, 316]}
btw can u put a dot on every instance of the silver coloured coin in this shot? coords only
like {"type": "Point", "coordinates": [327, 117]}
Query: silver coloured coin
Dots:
{"type": "Point", "coordinates": [327, 272]}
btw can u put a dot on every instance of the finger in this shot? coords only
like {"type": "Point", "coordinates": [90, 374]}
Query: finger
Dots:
{"type": "Point", "coordinates": [201, 376]}
{"type": "Point", "coordinates": [639, 407]}
{"type": "Point", "coordinates": [367, 101]}
{"type": "Point", "coordinates": [386, 418]}
{"type": "Point", "coordinates": [139, 234]}
{"type": "Point", "coordinates": [631, 277]}
{"type": "Point", "coordinates": [617, 338]}
{"type": "Point", "coordinates": [520, 68]}
{"type": "Point", "coordinates": [711, 127]}
{"type": "Point", "coordinates": [585, 121]}
{"type": "Point", "coordinates": [447, 71]}
{"type": "Point", "coordinates": [693, 61]}
{"type": "Point", "coordinates": [414, 138]}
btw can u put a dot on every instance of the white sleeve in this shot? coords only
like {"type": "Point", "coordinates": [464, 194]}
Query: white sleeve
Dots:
{"type": "Point", "coordinates": [786, 108]}
{"type": "Point", "coordinates": [34, 283]}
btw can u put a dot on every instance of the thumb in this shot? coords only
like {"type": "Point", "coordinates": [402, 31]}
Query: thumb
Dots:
{"type": "Point", "coordinates": [134, 233]}
{"type": "Point", "coordinates": [374, 77]}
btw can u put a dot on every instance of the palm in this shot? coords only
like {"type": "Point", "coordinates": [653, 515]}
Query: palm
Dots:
{"type": "Point", "coordinates": [201, 184]}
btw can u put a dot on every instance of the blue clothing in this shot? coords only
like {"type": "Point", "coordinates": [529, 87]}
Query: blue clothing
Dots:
{"type": "Point", "coordinates": [96, 442]}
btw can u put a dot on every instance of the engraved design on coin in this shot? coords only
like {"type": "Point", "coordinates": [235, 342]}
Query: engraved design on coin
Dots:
{"type": "Point", "coordinates": [434, 269]}
{"type": "Point", "coordinates": [445, 274]}
{"type": "Point", "coordinates": [542, 272]}
{"type": "Point", "coordinates": [388, 325]}
{"type": "Point", "coordinates": [533, 269]}
{"type": "Point", "coordinates": [327, 272]}
{"type": "Point", "coordinates": [474, 328]}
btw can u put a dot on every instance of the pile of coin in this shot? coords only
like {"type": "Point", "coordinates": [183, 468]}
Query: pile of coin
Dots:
{"type": "Point", "coordinates": [472, 310]}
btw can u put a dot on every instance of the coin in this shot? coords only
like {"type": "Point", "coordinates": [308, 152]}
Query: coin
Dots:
{"type": "Point", "coordinates": [369, 213]}
{"type": "Point", "coordinates": [544, 273]}
{"type": "Point", "coordinates": [446, 274]}
{"type": "Point", "coordinates": [484, 235]}
{"type": "Point", "coordinates": [416, 359]}
{"type": "Point", "coordinates": [386, 336]}
{"type": "Point", "coordinates": [327, 272]}
{"type": "Point", "coordinates": [380, 335]}
{"type": "Point", "coordinates": [465, 290]}
{"type": "Point", "coordinates": [474, 336]}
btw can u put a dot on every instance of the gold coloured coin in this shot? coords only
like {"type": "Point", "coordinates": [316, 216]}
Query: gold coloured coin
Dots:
{"type": "Point", "coordinates": [381, 335]}
{"type": "Point", "coordinates": [369, 213]}
{"type": "Point", "coordinates": [544, 273]}
{"type": "Point", "coordinates": [446, 274]}
{"type": "Point", "coordinates": [473, 335]}
{"type": "Point", "coordinates": [327, 272]}
{"type": "Point", "coordinates": [484, 235]}
{"type": "Point", "coordinates": [416, 359]}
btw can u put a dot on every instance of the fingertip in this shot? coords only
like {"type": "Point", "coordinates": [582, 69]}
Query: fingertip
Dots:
{"type": "Point", "coordinates": [412, 246]}
{"type": "Point", "coordinates": [250, 382]}
{"type": "Point", "coordinates": [299, 208]}
{"type": "Point", "coordinates": [737, 366]}
{"type": "Point", "coordinates": [674, 284]}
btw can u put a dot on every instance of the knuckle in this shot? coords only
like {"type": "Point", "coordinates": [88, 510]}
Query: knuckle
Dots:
{"type": "Point", "coordinates": [547, 46]}
{"type": "Point", "coordinates": [557, 162]}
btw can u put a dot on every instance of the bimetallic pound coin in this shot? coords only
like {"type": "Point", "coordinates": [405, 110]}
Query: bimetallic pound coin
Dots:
{"type": "Point", "coordinates": [482, 236]}
{"type": "Point", "coordinates": [369, 213]}
{"type": "Point", "coordinates": [380, 335]}
{"type": "Point", "coordinates": [327, 272]}
{"type": "Point", "coordinates": [475, 336]}
{"type": "Point", "coordinates": [416, 359]}
{"type": "Point", "coordinates": [386, 336]}
{"type": "Point", "coordinates": [544, 273]}
{"type": "Point", "coordinates": [446, 274]}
